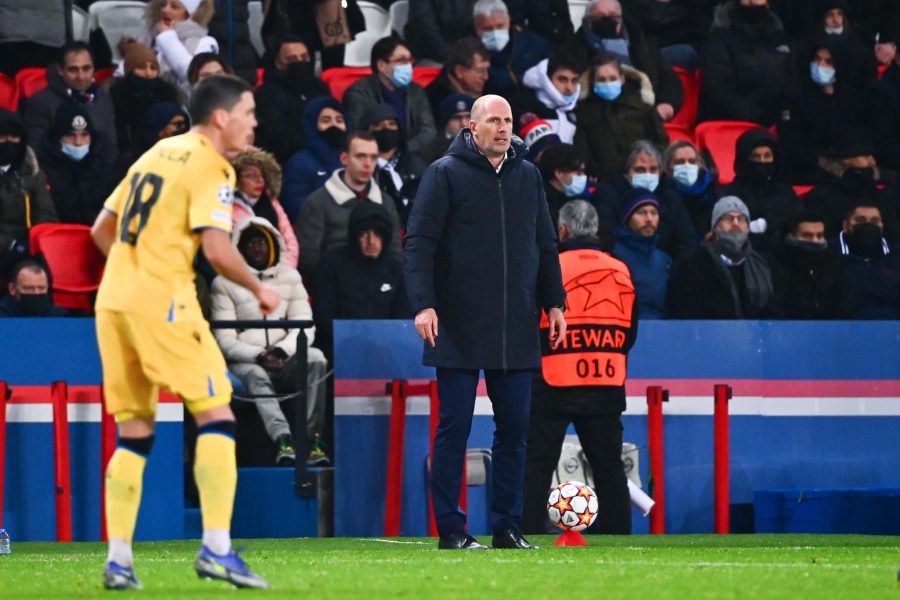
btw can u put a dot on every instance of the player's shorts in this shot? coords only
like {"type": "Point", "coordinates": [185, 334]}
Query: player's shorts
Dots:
{"type": "Point", "coordinates": [141, 354]}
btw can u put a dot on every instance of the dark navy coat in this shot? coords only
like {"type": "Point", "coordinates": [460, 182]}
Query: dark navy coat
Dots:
{"type": "Point", "coordinates": [481, 251]}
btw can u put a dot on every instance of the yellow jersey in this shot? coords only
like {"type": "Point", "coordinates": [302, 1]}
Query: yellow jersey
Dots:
{"type": "Point", "coordinates": [178, 188]}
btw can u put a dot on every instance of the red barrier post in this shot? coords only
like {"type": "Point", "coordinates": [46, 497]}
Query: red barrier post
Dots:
{"type": "Point", "coordinates": [393, 492]}
{"type": "Point", "coordinates": [722, 394]}
{"type": "Point", "coordinates": [3, 391]}
{"type": "Point", "coordinates": [655, 398]}
{"type": "Point", "coordinates": [107, 447]}
{"type": "Point", "coordinates": [59, 391]}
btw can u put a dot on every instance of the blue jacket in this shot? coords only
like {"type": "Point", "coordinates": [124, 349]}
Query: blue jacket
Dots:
{"type": "Point", "coordinates": [309, 169]}
{"type": "Point", "coordinates": [481, 251]}
{"type": "Point", "coordinates": [508, 66]}
{"type": "Point", "coordinates": [650, 271]}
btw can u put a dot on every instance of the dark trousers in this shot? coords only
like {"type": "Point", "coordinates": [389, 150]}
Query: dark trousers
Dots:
{"type": "Point", "coordinates": [601, 439]}
{"type": "Point", "coordinates": [510, 394]}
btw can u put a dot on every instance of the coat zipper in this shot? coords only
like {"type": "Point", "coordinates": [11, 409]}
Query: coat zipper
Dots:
{"type": "Point", "coordinates": [505, 267]}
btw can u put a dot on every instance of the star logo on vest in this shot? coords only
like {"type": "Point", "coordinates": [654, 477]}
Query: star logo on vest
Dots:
{"type": "Point", "coordinates": [591, 289]}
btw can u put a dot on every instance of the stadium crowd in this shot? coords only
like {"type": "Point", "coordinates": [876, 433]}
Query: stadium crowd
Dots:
{"type": "Point", "coordinates": [806, 228]}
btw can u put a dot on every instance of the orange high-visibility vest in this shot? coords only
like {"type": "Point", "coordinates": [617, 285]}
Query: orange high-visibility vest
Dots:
{"type": "Point", "coordinates": [599, 304]}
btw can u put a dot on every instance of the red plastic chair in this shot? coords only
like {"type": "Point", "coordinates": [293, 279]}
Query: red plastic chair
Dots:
{"type": "Point", "coordinates": [74, 261]}
{"type": "Point", "coordinates": [686, 118]}
{"type": "Point", "coordinates": [719, 138]}
{"type": "Point", "coordinates": [9, 98]}
{"type": "Point", "coordinates": [30, 81]}
{"type": "Point", "coordinates": [101, 75]}
{"type": "Point", "coordinates": [341, 78]}
{"type": "Point", "coordinates": [425, 75]}
{"type": "Point", "coordinates": [678, 133]}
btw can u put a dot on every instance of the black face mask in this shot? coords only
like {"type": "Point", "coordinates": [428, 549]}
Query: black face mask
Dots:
{"type": "Point", "coordinates": [605, 28]}
{"type": "Point", "coordinates": [143, 87]}
{"type": "Point", "coordinates": [760, 172]}
{"type": "Point", "coordinates": [811, 250]}
{"type": "Point", "coordinates": [753, 14]}
{"type": "Point", "coordinates": [857, 181]}
{"type": "Point", "coordinates": [864, 239]}
{"type": "Point", "coordinates": [8, 152]}
{"type": "Point", "coordinates": [387, 139]}
{"type": "Point", "coordinates": [34, 305]}
{"type": "Point", "coordinates": [299, 72]}
{"type": "Point", "coordinates": [334, 137]}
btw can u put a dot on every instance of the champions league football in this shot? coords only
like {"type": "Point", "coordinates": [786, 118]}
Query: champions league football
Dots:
{"type": "Point", "coordinates": [572, 506]}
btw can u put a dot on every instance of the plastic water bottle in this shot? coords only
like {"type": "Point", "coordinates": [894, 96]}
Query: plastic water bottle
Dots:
{"type": "Point", "coordinates": [5, 546]}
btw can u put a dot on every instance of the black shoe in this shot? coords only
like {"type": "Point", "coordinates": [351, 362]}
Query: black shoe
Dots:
{"type": "Point", "coordinates": [511, 539]}
{"type": "Point", "coordinates": [459, 541]}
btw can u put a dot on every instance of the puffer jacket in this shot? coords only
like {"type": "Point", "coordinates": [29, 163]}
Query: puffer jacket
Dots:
{"type": "Point", "coordinates": [231, 28]}
{"type": "Point", "coordinates": [231, 301]}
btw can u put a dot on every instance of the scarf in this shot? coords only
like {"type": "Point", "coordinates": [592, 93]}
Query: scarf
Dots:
{"type": "Point", "coordinates": [536, 79]}
{"type": "Point", "coordinates": [757, 278]}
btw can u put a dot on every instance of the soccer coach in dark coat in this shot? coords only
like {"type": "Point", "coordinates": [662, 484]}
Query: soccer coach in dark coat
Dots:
{"type": "Point", "coordinates": [481, 256]}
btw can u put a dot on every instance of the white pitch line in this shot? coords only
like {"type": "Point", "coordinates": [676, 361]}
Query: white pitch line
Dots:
{"type": "Point", "coordinates": [393, 541]}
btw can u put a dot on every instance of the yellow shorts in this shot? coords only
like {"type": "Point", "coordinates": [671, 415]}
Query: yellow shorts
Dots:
{"type": "Point", "coordinates": [140, 355]}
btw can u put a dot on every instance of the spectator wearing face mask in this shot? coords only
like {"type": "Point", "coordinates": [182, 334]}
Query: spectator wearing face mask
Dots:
{"type": "Point", "coordinates": [824, 101]}
{"type": "Point", "coordinates": [757, 164]}
{"type": "Point", "coordinates": [398, 170]}
{"type": "Point", "coordinates": [550, 90]}
{"type": "Point", "coordinates": [134, 94]}
{"type": "Point", "coordinates": [613, 117]}
{"type": "Point", "coordinates": [686, 174]}
{"type": "Point", "coordinates": [677, 237]}
{"type": "Point", "coordinates": [513, 51]}
{"type": "Point", "coordinates": [78, 173]}
{"type": "Point", "coordinates": [806, 272]}
{"type": "Point", "coordinates": [562, 167]}
{"type": "Point", "coordinates": [637, 245]}
{"type": "Point", "coordinates": [289, 84]}
{"type": "Point", "coordinates": [869, 265]}
{"type": "Point", "coordinates": [726, 278]}
{"type": "Point", "coordinates": [849, 173]}
{"type": "Point", "coordinates": [325, 128]}
{"type": "Point", "coordinates": [29, 293]}
{"type": "Point", "coordinates": [391, 82]}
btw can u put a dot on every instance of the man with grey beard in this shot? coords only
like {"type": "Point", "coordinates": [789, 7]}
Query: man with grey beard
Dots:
{"type": "Point", "coordinates": [725, 278]}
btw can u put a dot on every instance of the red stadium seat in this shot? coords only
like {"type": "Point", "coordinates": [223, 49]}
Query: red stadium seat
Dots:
{"type": "Point", "coordinates": [340, 78]}
{"type": "Point", "coordinates": [75, 263]}
{"type": "Point", "coordinates": [679, 133]}
{"type": "Point", "coordinates": [30, 81]}
{"type": "Point", "coordinates": [8, 96]}
{"type": "Point", "coordinates": [425, 75]}
{"type": "Point", "coordinates": [686, 118]}
{"type": "Point", "coordinates": [718, 138]}
{"type": "Point", "coordinates": [802, 190]}
{"type": "Point", "coordinates": [102, 75]}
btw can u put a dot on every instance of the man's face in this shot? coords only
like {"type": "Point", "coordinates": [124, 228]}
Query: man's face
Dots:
{"type": "Point", "coordinates": [255, 251]}
{"type": "Point", "coordinates": [77, 138]}
{"type": "Point", "coordinates": [863, 214]}
{"type": "Point", "coordinates": [733, 222]}
{"type": "Point", "coordinates": [251, 181]}
{"type": "Point", "coordinates": [809, 231]}
{"type": "Point", "coordinates": [457, 122]}
{"type": "Point", "coordinates": [330, 118]}
{"type": "Point", "coordinates": [644, 221]}
{"type": "Point", "coordinates": [762, 154]}
{"type": "Point", "coordinates": [386, 124]}
{"type": "Point", "coordinates": [472, 79]}
{"type": "Point", "coordinates": [290, 53]}
{"type": "Point", "coordinates": [606, 9]}
{"type": "Point", "coordinates": [29, 282]}
{"type": "Point", "coordinates": [754, 2]}
{"type": "Point", "coordinates": [863, 161]}
{"type": "Point", "coordinates": [77, 70]}
{"type": "Point", "coordinates": [493, 129]}
{"type": "Point", "coordinates": [643, 164]}
{"type": "Point", "coordinates": [490, 23]}
{"type": "Point", "coordinates": [834, 18]}
{"type": "Point", "coordinates": [370, 243]}
{"type": "Point", "coordinates": [400, 56]}
{"type": "Point", "coordinates": [565, 81]}
{"type": "Point", "coordinates": [238, 125]}
{"type": "Point", "coordinates": [823, 58]}
{"type": "Point", "coordinates": [360, 161]}
{"type": "Point", "coordinates": [173, 127]}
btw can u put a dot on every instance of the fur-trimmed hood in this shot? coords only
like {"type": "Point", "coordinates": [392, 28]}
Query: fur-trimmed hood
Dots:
{"type": "Point", "coordinates": [267, 163]}
{"type": "Point", "coordinates": [633, 77]}
{"type": "Point", "coordinates": [276, 241]}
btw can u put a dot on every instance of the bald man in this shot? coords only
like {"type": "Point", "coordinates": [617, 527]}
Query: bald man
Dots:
{"type": "Point", "coordinates": [481, 258]}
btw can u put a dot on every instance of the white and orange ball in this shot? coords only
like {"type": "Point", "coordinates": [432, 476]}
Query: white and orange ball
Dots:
{"type": "Point", "coordinates": [572, 506]}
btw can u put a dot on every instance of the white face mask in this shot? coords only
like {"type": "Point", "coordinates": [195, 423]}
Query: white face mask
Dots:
{"type": "Point", "coordinates": [648, 181]}
{"type": "Point", "coordinates": [686, 174]}
{"type": "Point", "coordinates": [835, 30]}
{"type": "Point", "coordinates": [496, 39]}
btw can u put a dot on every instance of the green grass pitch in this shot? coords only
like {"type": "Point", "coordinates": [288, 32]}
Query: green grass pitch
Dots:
{"type": "Point", "coordinates": [640, 567]}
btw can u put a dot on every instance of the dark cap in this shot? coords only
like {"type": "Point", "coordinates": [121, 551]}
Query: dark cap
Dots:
{"type": "Point", "coordinates": [453, 104]}
{"type": "Point", "coordinates": [375, 113]}
{"type": "Point", "coordinates": [71, 117]}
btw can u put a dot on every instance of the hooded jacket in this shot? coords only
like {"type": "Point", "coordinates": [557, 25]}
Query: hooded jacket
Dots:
{"type": "Point", "coordinates": [24, 198]}
{"type": "Point", "coordinates": [885, 116]}
{"type": "Point", "coordinates": [607, 129]}
{"type": "Point", "coordinates": [561, 114]}
{"type": "Point", "coordinates": [40, 110]}
{"type": "Point", "coordinates": [309, 169]}
{"type": "Point", "coordinates": [132, 96]}
{"type": "Point", "coordinates": [322, 223]}
{"type": "Point", "coordinates": [650, 271]}
{"type": "Point", "coordinates": [481, 251]}
{"type": "Point", "coordinates": [231, 301]}
{"type": "Point", "coordinates": [746, 68]}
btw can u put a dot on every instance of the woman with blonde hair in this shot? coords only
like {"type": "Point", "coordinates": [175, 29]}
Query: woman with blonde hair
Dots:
{"type": "Point", "coordinates": [177, 31]}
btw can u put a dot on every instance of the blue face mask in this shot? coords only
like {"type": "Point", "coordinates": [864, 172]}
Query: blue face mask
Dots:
{"type": "Point", "coordinates": [76, 152]}
{"type": "Point", "coordinates": [608, 90]}
{"type": "Point", "coordinates": [821, 75]}
{"type": "Point", "coordinates": [402, 75]}
{"type": "Point", "coordinates": [648, 181]}
{"type": "Point", "coordinates": [571, 98]}
{"type": "Point", "coordinates": [496, 39]}
{"type": "Point", "coordinates": [575, 187]}
{"type": "Point", "coordinates": [686, 174]}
